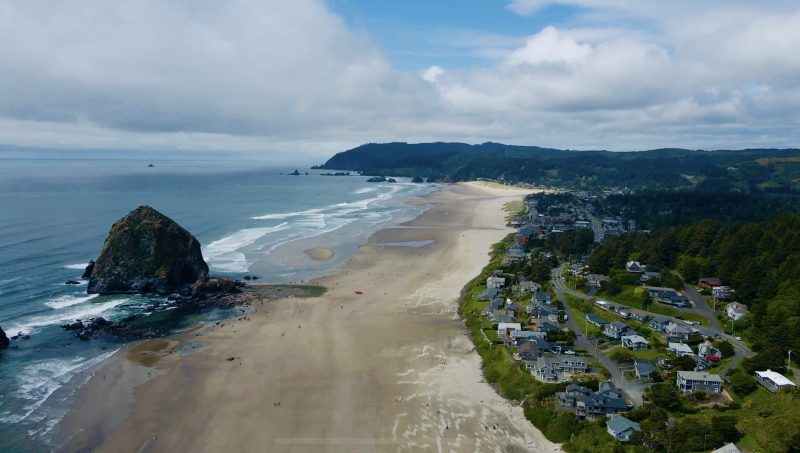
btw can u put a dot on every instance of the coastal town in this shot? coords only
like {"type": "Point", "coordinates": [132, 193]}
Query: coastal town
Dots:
{"type": "Point", "coordinates": [609, 347]}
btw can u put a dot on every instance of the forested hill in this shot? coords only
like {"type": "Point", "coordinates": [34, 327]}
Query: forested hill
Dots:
{"type": "Point", "coordinates": [770, 169]}
{"type": "Point", "coordinates": [760, 260]}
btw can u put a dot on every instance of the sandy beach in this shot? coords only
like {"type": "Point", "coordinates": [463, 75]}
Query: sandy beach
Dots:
{"type": "Point", "coordinates": [389, 369]}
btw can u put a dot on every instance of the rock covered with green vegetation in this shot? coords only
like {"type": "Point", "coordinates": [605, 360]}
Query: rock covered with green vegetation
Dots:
{"type": "Point", "coordinates": [147, 252]}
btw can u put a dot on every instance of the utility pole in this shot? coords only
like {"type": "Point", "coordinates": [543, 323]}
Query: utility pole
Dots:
{"type": "Point", "coordinates": [789, 366]}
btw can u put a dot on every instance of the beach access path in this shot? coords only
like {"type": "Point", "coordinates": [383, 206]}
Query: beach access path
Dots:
{"type": "Point", "coordinates": [389, 369]}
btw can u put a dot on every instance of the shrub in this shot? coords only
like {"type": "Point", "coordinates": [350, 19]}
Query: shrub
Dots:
{"type": "Point", "coordinates": [743, 384]}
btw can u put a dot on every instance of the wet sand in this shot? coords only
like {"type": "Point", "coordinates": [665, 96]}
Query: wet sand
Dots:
{"type": "Point", "coordinates": [319, 253]}
{"type": "Point", "coordinates": [390, 369]}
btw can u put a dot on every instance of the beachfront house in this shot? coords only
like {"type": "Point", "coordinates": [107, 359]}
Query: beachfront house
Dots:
{"type": "Point", "coordinates": [634, 342]}
{"type": "Point", "coordinates": [504, 329]}
{"type": "Point", "coordinates": [735, 310]}
{"type": "Point", "coordinates": [774, 381]}
{"type": "Point", "coordinates": [616, 330]}
{"type": "Point", "coordinates": [696, 381]}
{"type": "Point", "coordinates": [489, 293]}
{"type": "Point", "coordinates": [495, 282]}
{"type": "Point", "coordinates": [622, 429]}
{"type": "Point", "coordinates": [554, 368]}
{"type": "Point", "coordinates": [679, 349]}
{"type": "Point", "coordinates": [585, 403]}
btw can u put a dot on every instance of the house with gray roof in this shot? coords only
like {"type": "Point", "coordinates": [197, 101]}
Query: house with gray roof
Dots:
{"type": "Point", "coordinates": [607, 400]}
{"type": "Point", "coordinates": [551, 369]}
{"type": "Point", "coordinates": [596, 320]}
{"type": "Point", "coordinates": [489, 293]}
{"type": "Point", "coordinates": [695, 381]}
{"type": "Point", "coordinates": [621, 428]}
{"type": "Point", "coordinates": [644, 368]}
{"type": "Point", "coordinates": [616, 330]}
{"type": "Point", "coordinates": [674, 330]}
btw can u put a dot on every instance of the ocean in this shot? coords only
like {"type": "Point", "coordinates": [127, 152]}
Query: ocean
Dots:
{"type": "Point", "coordinates": [252, 218]}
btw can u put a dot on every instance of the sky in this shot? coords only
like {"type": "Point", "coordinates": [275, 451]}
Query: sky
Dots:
{"type": "Point", "coordinates": [309, 78]}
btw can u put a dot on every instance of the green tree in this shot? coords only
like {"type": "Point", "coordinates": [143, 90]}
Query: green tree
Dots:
{"type": "Point", "coordinates": [620, 354]}
{"type": "Point", "coordinates": [743, 384]}
{"type": "Point", "coordinates": [665, 396]}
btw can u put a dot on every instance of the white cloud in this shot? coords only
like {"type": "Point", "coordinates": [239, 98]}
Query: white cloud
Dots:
{"type": "Point", "coordinates": [291, 76]}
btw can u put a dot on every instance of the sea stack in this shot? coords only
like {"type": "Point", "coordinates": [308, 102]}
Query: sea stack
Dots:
{"type": "Point", "coordinates": [4, 341]}
{"type": "Point", "coordinates": [147, 252]}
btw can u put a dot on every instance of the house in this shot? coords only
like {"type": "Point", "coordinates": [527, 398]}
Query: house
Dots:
{"type": "Point", "coordinates": [680, 349]}
{"type": "Point", "coordinates": [596, 279]}
{"type": "Point", "coordinates": [707, 351]}
{"type": "Point", "coordinates": [603, 305]}
{"type": "Point", "coordinates": [526, 334]}
{"type": "Point", "coordinates": [728, 448]}
{"type": "Point", "coordinates": [634, 342]}
{"type": "Point", "coordinates": [668, 296]}
{"type": "Point", "coordinates": [616, 330]}
{"type": "Point", "coordinates": [773, 381]}
{"type": "Point", "coordinates": [644, 368]}
{"type": "Point", "coordinates": [659, 323]}
{"type": "Point", "coordinates": [529, 286]}
{"type": "Point", "coordinates": [586, 403]}
{"type": "Point", "coordinates": [621, 428]}
{"type": "Point", "coordinates": [709, 282]}
{"type": "Point", "coordinates": [735, 310]}
{"type": "Point", "coordinates": [529, 350]}
{"type": "Point", "coordinates": [542, 297]}
{"type": "Point", "coordinates": [674, 330]}
{"type": "Point", "coordinates": [551, 369]}
{"type": "Point", "coordinates": [594, 319]}
{"type": "Point", "coordinates": [504, 329]}
{"type": "Point", "coordinates": [638, 315]}
{"type": "Point", "coordinates": [541, 310]}
{"type": "Point", "coordinates": [700, 363]}
{"type": "Point", "coordinates": [696, 381]}
{"type": "Point", "coordinates": [495, 282]}
{"type": "Point", "coordinates": [634, 267]}
{"type": "Point", "coordinates": [548, 326]}
{"type": "Point", "coordinates": [647, 275]}
{"type": "Point", "coordinates": [489, 293]}
{"type": "Point", "coordinates": [722, 292]}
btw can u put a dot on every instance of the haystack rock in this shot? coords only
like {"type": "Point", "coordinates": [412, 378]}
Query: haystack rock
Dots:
{"type": "Point", "coordinates": [147, 252]}
{"type": "Point", "coordinates": [4, 341]}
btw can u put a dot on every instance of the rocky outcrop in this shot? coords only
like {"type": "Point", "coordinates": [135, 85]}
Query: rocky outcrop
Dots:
{"type": "Point", "coordinates": [377, 179]}
{"type": "Point", "coordinates": [87, 272]}
{"type": "Point", "coordinates": [4, 341]}
{"type": "Point", "coordinates": [147, 252]}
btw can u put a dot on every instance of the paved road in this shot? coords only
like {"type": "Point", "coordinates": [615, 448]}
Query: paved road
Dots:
{"type": "Point", "coordinates": [633, 389]}
{"type": "Point", "coordinates": [701, 306]}
{"type": "Point", "coordinates": [740, 349]}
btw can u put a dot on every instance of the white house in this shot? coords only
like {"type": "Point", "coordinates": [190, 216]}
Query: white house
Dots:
{"type": "Point", "coordinates": [503, 328]}
{"type": "Point", "coordinates": [680, 349]}
{"type": "Point", "coordinates": [495, 282]}
{"type": "Point", "coordinates": [735, 310]}
{"type": "Point", "coordinates": [634, 267]}
{"type": "Point", "coordinates": [773, 381]}
{"type": "Point", "coordinates": [634, 342]}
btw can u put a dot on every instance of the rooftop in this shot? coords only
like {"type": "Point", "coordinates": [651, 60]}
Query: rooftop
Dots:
{"type": "Point", "coordinates": [775, 377]}
{"type": "Point", "coordinates": [699, 376]}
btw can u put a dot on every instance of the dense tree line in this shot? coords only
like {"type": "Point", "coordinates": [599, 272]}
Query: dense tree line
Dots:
{"type": "Point", "coordinates": [662, 209]}
{"type": "Point", "coordinates": [760, 260]}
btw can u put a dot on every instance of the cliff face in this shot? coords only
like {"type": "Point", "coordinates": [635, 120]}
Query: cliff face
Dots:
{"type": "Point", "coordinates": [4, 341]}
{"type": "Point", "coordinates": [147, 252]}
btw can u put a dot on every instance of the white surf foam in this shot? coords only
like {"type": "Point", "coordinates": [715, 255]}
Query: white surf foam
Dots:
{"type": "Point", "coordinates": [37, 381]}
{"type": "Point", "coordinates": [63, 316]}
{"type": "Point", "coordinates": [225, 255]}
{"type": "Point", "coordinates": [77, 266]}
{"type": "Point", "coordinates": [286, 215]}
{"type": "Point", "coordinates": [68, 301]}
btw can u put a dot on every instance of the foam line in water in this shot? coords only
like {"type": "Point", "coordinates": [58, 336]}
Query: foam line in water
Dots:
{"type": "Point", "coordinates": [224, 254]}
{"type": "Point", "coordinates": [286, 215]}
{"type": "Point", "coordinates": [66, 315]}
{"type": "Point", "coordinates": [77, 266]}
{"type": "Point", "coordinates": [37, 381]}
{"type": "Point", "coordinates": [68, 301]}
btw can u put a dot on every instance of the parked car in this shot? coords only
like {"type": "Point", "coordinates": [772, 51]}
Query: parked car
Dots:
{"type": "Point", "coordinates": [738, 338]}
{"type": "Point", "coordinates": [717, 336]}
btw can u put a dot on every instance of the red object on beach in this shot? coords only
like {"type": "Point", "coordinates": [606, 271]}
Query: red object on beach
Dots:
{"type": "Point", "coordinates": [359, 292]}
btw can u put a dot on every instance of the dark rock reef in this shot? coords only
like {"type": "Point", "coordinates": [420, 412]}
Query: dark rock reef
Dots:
{"type": "Point", "coordinates": [147, 252]}
{"type": "Point", "coordinates": [4, 341]}
{"type": "Point", "coordinates": [377, 179]}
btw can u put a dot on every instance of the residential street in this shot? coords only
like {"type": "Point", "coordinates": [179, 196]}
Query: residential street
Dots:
{"type": "Point", "coordinates": [632, 388]}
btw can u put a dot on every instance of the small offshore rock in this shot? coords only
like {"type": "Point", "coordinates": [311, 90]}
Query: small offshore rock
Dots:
{"type": "Point", "coordinates": [72, 282]}
{"type": "Point", "coordinates": [4, 341]}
